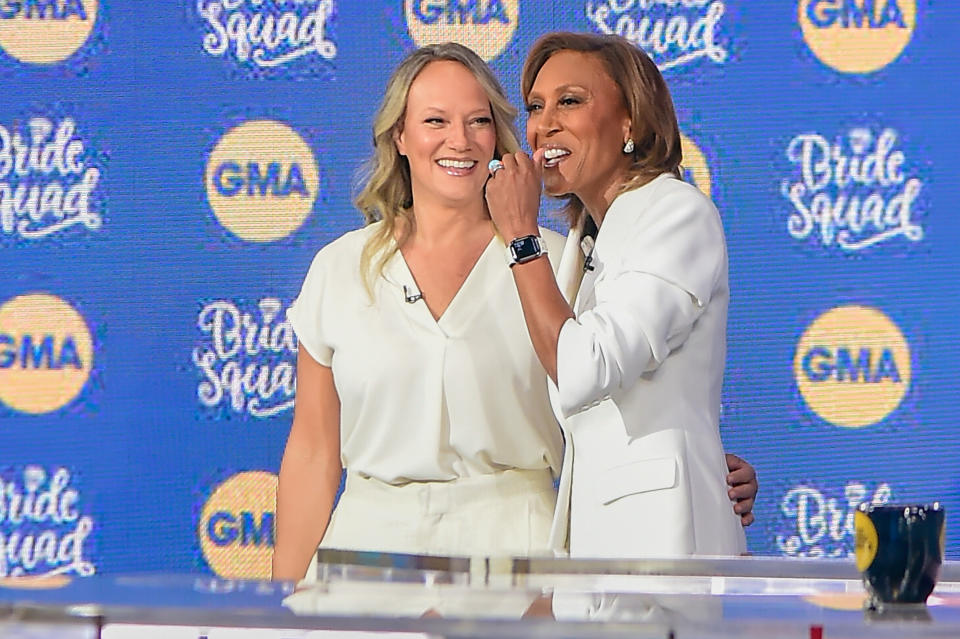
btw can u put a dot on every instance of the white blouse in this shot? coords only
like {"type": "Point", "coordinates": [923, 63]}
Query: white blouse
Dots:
{"type": "Point", "coordinates": [424, 399]}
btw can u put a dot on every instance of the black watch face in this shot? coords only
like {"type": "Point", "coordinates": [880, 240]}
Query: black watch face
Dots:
{"type": "Point", "coordinates": [525, 247]}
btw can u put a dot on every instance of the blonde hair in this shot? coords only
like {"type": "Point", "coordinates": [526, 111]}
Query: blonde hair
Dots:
{"type": "Point", "coordinates": [386, 192]}
{"type": "Point", "coordinates": [655, 131]}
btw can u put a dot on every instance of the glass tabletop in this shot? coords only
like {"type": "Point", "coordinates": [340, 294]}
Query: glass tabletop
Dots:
{"type": "Point", "coordinates": [358, 594]}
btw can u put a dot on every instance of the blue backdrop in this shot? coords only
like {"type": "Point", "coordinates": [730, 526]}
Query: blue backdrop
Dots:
{"type": "Point", "coordinates": [168, 170]}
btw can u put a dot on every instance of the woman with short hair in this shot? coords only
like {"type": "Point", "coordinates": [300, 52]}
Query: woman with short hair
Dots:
{"type": "Point", "coordinates": [636, 359]}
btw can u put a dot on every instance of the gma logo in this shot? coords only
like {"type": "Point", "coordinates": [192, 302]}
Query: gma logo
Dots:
{"type": "Point", "coordinates": [821, 364]}
{"type": "Point", "coordinates": [231, 179]}
{"type": "Point", "coordinates": [30, 352]}
{"type": "Point", "coordinates": [460, 11]}
{"type": "Point", "coordinates": [855, 14]}
{"type": "Point", "coordinates": [246, 528]}
{"type": "Point", "coordinates": [42, 9]}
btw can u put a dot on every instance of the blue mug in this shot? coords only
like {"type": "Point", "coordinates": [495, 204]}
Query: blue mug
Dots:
{"type": "Point", "coordinates": [899, 550]}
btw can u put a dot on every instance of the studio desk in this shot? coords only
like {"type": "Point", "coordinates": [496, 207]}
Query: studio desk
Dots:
{"type": "Point", "coordinates": [361, 595]}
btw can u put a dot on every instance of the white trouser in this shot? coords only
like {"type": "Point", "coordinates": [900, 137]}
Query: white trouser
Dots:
{"type": "Point", "coordinates": [508, 513]}
{"type": "Point", "coordinates": [504, 513]}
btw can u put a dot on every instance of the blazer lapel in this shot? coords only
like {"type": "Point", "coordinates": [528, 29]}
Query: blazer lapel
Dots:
{"type": "Point", "coordinates": [570, 271]}
{"type": "Point", "coordinates": [559, 541]}
{"type": "Point", "coordinates": [588, 280]}
{"type": "Point", "coordinates": [569, 275]}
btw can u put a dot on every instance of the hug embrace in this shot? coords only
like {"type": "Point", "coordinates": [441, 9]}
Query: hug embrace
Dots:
{"type": "Point", "coordinates": [456, 359]}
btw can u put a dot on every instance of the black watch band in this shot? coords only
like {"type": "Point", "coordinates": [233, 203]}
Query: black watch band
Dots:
{"type": "Point", "coordinates": [526, 248]}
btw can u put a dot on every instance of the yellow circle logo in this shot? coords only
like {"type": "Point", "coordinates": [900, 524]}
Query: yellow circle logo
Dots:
{"type": "Point", "coordinates": [852, 366]}
{"type": "Point", "coordinates": [486, 26]}
{"type": "Point", "coordinates": [262, 181]}
{"type": "Point", "coordinates": [46, 353]}
{"type": "Point", "coordinates": [696, 171]}
{"type": "Point", "coordinates": [857, 36]}
{"type": "Point", "coordinates": [236, 527]}
{"type": "Point", "coordinates": [865, 540]}
{"type": "Point", "coordinates": [35, 582]}
{"type": "Point", "coordinates": [45, 31]}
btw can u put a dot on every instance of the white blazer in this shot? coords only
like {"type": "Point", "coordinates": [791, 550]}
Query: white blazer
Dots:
{"type": "Point", "coordinates": [639, 376]}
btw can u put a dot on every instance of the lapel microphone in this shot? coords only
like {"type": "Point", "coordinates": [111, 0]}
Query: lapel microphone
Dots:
{"type": "Point", "coordinates": [411, 296]}
{"type": "Point", "coordinates": [586, 245]}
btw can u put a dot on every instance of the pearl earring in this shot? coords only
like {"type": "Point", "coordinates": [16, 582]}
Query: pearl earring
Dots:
{"type": "Point", "coordinates": [628, 147]}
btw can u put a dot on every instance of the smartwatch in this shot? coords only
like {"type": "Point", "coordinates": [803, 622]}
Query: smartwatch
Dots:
{"type": "Point", "coordinates": [526, 248]}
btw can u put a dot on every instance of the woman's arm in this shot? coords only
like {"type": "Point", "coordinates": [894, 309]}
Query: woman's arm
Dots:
{"type": "Point", "coordinates": [513, 197]}
{"type": "Point", "coordinates": [645, 307]}
{"type": "Point", "coordinates": [544, 309]}
{"type": "Point", "coordinates": [310, 470]}
{"type": "Point", "coordinates": [638, 320]}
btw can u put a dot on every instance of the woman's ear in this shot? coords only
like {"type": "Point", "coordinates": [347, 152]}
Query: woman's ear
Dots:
{"type": "Point", "coordinates": [398, 141]}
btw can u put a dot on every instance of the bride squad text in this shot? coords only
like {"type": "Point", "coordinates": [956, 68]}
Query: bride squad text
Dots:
{"type": "Point", "coordinates": [270, 33]}
{"type": "Point", "coordinates": [854, 193]}
{"type": "Point", "coordinates": [249, 362]}
{"type": "Point", "coordinates": [46, 183]}
{"type": "Point", "coordinates": [42, 533]}
{"type": "Point", "coordinates": [820, 525]}
{"type": "Point", "coordinates": [672, 32]}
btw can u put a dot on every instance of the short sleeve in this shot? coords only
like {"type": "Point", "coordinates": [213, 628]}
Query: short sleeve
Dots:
{"type": "Point", "coordinates": [306, 312]}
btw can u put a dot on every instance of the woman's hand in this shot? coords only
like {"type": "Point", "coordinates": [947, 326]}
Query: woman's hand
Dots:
{"type": "Point", "coordinates": [513, 194]}
{"type": "Point", "coordinates": [742, 480]}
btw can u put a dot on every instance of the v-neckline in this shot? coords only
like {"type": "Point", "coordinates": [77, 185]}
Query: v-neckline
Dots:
{"type": "Point", "coordinates": [453, 304]}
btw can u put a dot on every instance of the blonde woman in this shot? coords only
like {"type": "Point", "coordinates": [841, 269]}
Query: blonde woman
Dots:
{"type": "Point", "coordinates": [411, 373]}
